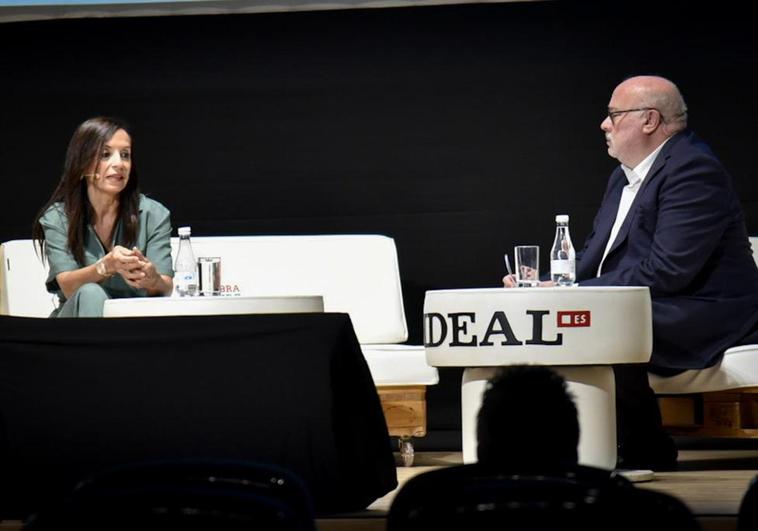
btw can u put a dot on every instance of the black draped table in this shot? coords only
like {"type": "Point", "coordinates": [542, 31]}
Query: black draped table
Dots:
{"type": "Point", "coordinates": [78, 395]}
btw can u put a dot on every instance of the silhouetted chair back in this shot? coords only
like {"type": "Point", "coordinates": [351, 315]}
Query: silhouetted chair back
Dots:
{"type": "Point", "coordinates": [185, 495]}
{"type": "Point", "coordinates": [471, 498]}
{"type": "Point", "coordinates": [748, 515]}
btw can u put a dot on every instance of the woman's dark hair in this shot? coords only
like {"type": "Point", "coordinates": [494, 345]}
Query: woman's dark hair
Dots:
{"type": "Point", "coordinates": [83, 152]}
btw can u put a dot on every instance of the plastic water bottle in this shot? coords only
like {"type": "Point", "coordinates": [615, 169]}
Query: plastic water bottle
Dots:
{"type": "Point", "coordinates": [562, 255]}
{"type": "Point", "coordinates": [185, 267]}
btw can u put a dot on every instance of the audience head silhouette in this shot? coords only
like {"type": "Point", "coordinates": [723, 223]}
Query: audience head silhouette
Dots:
{"type": "Point", "coordinates": [528, 422]}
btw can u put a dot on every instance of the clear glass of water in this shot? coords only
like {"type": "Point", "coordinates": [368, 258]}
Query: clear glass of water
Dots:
{"type": "Point", "coordinates": [527, 265]}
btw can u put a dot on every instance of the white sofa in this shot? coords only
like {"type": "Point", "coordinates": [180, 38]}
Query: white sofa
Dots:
{"type": "Point", "coordinates": [356, 274]}
{"type": "Point", "coordinates": [720, 401]}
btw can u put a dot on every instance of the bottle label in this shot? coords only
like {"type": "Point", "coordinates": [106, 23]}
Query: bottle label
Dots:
{"type": "Point", "coordinates": [185, 283]}
{"type": "Point", "coordinates": [562, 267]}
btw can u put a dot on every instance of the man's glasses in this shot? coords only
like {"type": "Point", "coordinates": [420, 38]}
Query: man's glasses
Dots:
{"type": "Point", "coordinates": [615, 114]}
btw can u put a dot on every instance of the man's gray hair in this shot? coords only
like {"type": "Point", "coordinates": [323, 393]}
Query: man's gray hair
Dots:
{"type": "Point", "coordinates": [670, 104]}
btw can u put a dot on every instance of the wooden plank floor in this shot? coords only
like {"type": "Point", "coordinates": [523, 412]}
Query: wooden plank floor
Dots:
{"type": "Point", "coordinates": [710, 482]}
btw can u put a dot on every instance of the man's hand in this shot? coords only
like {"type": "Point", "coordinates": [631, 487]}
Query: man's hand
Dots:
{"type": "Point", "coordinates": [509, 281]}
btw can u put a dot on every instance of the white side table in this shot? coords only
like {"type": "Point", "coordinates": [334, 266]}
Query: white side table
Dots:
{"type": "Point", "coordinates": [163, 306]}
{"type": "Point", "coordinates": [579, 332]}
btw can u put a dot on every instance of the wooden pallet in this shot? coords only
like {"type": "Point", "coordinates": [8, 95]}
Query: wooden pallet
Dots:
{"type": "Point", "coordinates": [732, 413]}
{"type": "Point", "coordinates": [404, 409]}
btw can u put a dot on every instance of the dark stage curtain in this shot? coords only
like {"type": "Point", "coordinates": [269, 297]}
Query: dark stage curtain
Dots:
{"type": "Point", "coordinates": [78, 395]}
{"type": "Point", "coordinates": [458, 130]}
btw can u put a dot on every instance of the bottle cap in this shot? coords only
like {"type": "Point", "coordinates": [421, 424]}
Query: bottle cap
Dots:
{"type": "Point", "coordinates": [562, 218]}
{"type": "Point", "coordinates": [185, 231]}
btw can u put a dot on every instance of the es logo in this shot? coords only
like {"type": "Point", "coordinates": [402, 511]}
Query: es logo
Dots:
{"type": "Point", "coordinates": [573, 319]}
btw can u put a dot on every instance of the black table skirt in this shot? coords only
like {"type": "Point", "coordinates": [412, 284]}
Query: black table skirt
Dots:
{"type": "Point", "coordinates": [79, 395]}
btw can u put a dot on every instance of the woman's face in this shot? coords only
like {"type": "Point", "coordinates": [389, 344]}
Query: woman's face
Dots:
{"type": "Point", "coordinates": [113, 165]}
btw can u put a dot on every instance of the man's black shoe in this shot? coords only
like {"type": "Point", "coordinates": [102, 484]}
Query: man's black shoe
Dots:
{"type": "Point", "coordinates": [655, 463]}
{"type": "Point", "coordinates": [662, 459]}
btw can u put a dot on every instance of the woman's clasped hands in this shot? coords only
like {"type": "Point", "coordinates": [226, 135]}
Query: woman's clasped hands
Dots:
{"type": "Point", "coordinates": [133, 266]}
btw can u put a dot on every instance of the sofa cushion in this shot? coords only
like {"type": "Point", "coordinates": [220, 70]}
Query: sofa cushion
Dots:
{"type": "Point", "coordinates": [356, 274]}
{"type": "Point", "coordinates": [22, 281]}
{"type": "Point", "coordinates": [399, 365]}
{"type": "Point", "coordinates": [737, 369]}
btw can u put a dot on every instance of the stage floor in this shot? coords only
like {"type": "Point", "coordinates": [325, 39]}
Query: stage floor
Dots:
{"type": "Point", "coordinates": [710, 482]}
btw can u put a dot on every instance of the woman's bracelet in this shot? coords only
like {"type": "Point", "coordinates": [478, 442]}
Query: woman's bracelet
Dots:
{"type": "Point", "coordinates": [100, 268]}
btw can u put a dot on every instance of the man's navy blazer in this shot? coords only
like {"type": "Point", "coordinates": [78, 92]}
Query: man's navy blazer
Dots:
{"type": "Point", "coordinates": [685, 238]}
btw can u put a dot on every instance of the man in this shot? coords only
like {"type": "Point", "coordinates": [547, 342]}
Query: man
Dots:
{"type": "Point", "coordinates": [669, 220]}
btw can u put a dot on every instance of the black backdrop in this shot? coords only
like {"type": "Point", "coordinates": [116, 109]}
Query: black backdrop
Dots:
{"type": "Point", "coordinates": [457, 130]}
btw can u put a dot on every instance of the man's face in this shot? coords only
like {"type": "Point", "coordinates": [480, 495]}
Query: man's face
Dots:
{"type": "Point", "coordinates": [623, 126]}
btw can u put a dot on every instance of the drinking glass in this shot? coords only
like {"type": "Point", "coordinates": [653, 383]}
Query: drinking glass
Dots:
{"type": "Point", "coordinates": [209, 273]}
{"type": "Point", "coordinates": [527, 265]}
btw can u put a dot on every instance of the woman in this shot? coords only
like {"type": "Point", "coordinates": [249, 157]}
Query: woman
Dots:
{"type": "Point", "coordinates": [102, 238]}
